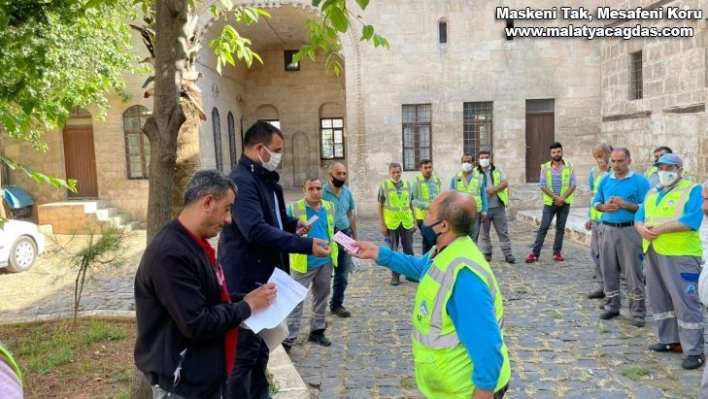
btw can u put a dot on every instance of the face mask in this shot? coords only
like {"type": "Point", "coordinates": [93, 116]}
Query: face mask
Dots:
{"type": "Point", "coordinates": [467, 166]}
{"type": "Point", "coordinates": [428, 233]}
{"type": "Point", "coordinates": [336, 182]}
{"type": "Point", "coordinates": [666, 178]}
{"type": "Point", "coordinates": [274, 160]}
{"type": "Point", "coordinates": [484, 162]}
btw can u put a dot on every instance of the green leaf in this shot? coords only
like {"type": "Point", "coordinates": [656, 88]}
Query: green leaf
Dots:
{"type": "Point", "coordinates": [316, 3]}
{"type": "Point", "coordinates": [367, 32]}
{"type": "Point", "coordinates": [363, 4]}
{"type": "Point", "coordinates": [339, 19]}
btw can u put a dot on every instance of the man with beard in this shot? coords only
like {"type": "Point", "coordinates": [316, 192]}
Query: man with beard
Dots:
{"type": "Point", "coordinates": [345, 221]}
{"type": "Point", "coordinates": [669, 221]}
{"type": "Point", "coordinates": [425, 188]}
{"type": "Point", "coordinates": [557, 182]}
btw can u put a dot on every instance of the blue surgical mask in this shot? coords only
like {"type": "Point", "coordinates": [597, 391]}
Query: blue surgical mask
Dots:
{"type": "Point", "coordinates": [428, 233]}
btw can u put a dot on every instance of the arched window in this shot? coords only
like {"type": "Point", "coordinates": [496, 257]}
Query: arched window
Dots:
{"type": "Point", "coordinates": [217, 139]}
{"type": "Point", "coordinates": [137, 145]}
{"type": "Point", "coordinates": [442, 32]}
{"type": "Point", "coordinates": [232, 139]}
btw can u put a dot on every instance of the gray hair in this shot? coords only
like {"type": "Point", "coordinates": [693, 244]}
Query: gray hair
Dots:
{"type": "Point", "coordinates": [459, 218]}
{"type": "Point", "coordinates": [394, 165]}
{"type": "Point", "coordinates": [208, 182]}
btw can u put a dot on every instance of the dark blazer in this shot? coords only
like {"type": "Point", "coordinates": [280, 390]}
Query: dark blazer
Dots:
{"type": "Point", "coordinates": [178, 306]}
{"type": "Point", "coordinates": [253, 245]}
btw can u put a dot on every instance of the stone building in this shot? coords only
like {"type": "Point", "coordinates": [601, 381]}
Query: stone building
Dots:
{"type": "Point", "coordinates": [452, 82]}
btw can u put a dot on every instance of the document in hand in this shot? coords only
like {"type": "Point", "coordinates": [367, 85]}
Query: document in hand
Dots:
{"type": "Point", "coordinates": [290, 293]}
{"type": "Point", "coordinates": [347, 242]}
{"type": "Point", "coordinates": [309, 222]}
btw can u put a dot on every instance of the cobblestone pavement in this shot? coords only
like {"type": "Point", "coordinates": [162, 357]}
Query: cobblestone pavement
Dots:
{"type": "Point", "coordinates": [558, 346]}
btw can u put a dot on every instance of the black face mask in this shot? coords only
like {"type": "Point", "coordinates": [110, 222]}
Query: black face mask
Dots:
{"type": "Point", "coordinates": [336, 182]}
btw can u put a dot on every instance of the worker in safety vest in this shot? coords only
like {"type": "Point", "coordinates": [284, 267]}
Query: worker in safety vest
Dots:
{"type": "Point", "coordinates": [557, 182]}
{"type": "Point", "coordinates": [601, 154]}
{"type": "Point", "coordinates": [396, 213]}
{"type": "Point", "coordinates": [470, 181]}
{"type": "Point", "coordinates": [497, 193]}
{"type": "Point", "coordinates": [458, 318]}
{"type": "Point", "coordinates": [425, 188]}
{"type": "Point", "coordinates": [10, 375]}
{"type": "Point", "coordinates": [669, 221]}
{"type": "Point", "coordinates": [313, 270]}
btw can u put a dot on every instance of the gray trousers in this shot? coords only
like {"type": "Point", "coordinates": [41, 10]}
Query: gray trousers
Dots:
{"type": "Point", "coordinates": [320, 277]}
{"type": "Point", "coordinates": [703, 390]}
{"type": "Point", "coordinates": [595, 251]}
{"type": "Point", "coordinates": [621, 251]}
{"type": "Point", "coordinates": [672, 284]}
{"type": "Point", "coordinates": [405, 236]}
{"type": "Point", "coordinates": [496, 216]}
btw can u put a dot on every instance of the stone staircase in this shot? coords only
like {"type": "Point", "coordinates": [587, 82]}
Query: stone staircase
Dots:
{"type": "Point", "coordinates": [82, 217]}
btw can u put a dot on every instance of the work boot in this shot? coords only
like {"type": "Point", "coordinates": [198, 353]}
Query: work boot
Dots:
{"type": "Point", "coordinates": [510, 259]}
{"type": "Point", "coordinates": [692, 362]}
{"type": "Point", "coordinates": [394, 280]}
{"type": "Point", "coordinates": [597, 294]}
{"type": "Point", "coordinates": [675, 347]}
{"type": "Point", "coordinates": [638, 321]}
{"type": "Point", "coordinates": [488, 257]}
{"type": "Point", "coordinates": [319, 338]}
{"type": "Point", "coordinates": [340, 311]}
{"type": "Point", "coordinates": [608, 314]}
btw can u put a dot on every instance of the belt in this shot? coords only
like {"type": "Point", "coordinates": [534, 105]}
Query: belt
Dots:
{"type": "Point", "coordinates": [623, 224]}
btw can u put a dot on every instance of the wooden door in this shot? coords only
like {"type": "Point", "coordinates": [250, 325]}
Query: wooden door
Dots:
{"type": "Point", "coordinates": [540, 133]}
{"type": "Point", "coordinates": [80, 161]}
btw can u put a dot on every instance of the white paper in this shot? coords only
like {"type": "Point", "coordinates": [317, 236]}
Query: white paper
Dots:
{"type": "Point", "coordinates": [290, 293]}
{"type": "Point", "coordinates": [309, 222]}
{"type": "Point", "coordinates": [345, 241]}
{"type": "Point", "coordinates": [273, 337]}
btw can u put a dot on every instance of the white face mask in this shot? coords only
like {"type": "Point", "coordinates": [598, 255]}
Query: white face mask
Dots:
{"type": "Point", "coordinates": [484, 162]}
{"type": "Point", "coordinates": [666, 178]}
{"type": "Point", "coordinates": [274, 160]}
{"type": "Point", "coordinates": [467, 167]}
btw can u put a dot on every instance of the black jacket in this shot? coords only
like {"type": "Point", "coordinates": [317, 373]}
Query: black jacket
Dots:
{"type": "Point", "coordinates": [253, 245]}
{"type": "Point", "coordinates": [178, 306]}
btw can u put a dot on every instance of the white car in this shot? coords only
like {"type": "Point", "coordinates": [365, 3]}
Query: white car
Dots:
{"type": "Point", "coordinates": [20, 245]}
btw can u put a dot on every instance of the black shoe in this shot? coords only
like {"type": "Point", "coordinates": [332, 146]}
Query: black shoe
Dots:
{"type": "Point", "coordinates": [394, 280]}
{"type": "Point", "coordinates": [675, 347]}
{"type": "Point", "coordinates": [287, 347]}
{"type": "Point", "coordinates": [488, 257]}
{"type": "Point", "coordinates": [608, 314]}
{"type": "Point", "coordinates": [638, 321]}
{"type": "Point", "coordinates": [597, 294]}
{"type": "Point", "coordinates": [340, 311]}
{"type": "Point", "coordinates": [510, 259]}
{"type": "Point", "coordinates": [320, 339]}
{"type": "Point", "coordinates": [412, 280]}
{"type": "Point", "coordinates": [692, 362]}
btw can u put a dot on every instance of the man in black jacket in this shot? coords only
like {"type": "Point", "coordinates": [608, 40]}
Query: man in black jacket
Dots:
{"type": "Point", "coordinates": [256, 243]}
{"type": "Point", "coordinates": [185, 318]}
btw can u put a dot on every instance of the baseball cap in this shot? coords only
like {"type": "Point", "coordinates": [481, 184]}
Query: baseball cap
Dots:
{"type": "Point", "coordinates": [670, 159]}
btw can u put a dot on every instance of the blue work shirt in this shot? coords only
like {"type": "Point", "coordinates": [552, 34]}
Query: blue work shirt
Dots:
{"type": "Point", "coordinates": [471, 309]}
{"type": "Point", "coordinates": [482, 190]}
{"type": "Point", "coordinates": [692, 213]}
{"type": "Point", "coordinates": [631, 188]}
{"type": "Point", "coordinates": [318, 229]}
{"type": "Point", "coordinates": [343, 204]}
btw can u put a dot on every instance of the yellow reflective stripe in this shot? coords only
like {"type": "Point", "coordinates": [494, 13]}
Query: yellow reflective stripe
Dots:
{"type": "Point", "coordinates": [664, 316]}
{"type": "Point", "coordinates": [690, 326]}
{"type": "Point", "coordinates": [684, 190]}
{"type": "Point", "coordinates": [434, 338]}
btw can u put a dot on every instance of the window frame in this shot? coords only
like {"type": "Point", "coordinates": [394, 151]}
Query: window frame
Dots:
{"type": "Point", "coordinates": [475, 116]}
{"type": "Point", "coordinates": [636, 77]}
{"type": "Point", "coordinates": [218, 148]}
{"type": "Point", "coordinates": [144, 150]}
{"type": "Point", "coordinates": [230, 122]}
{"type": "Point", "coordinates": [334, 139]}
{"type": "Point", "coordinates": [416, 126]}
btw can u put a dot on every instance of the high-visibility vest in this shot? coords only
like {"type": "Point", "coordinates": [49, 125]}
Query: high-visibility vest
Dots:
{"type": "Point", "coordinates": [298, 262]}
{"type": "Point", "coordinates": [5, 353]}
{"type": "Point", "coordinates": [397, 208]}
{"type": "Point", "coordinates": [566, 172]}
{"type": "Point", "coordinates": [496, 179]}
{"type": "Point", "coordinates": [473, 187]}
{"type": "Point", "coordinates": [443, 368]}
{"type": "Point", "coordinates": [423, 195]}
{"type": "Point", "coordinates": [671, 207]}
{"type": "Point", "coordinates": [596, 176]}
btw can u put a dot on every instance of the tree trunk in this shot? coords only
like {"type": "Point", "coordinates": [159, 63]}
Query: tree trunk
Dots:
{"type": "Point", "coordinates": [189, 160]}
{"type": "Point", "coordinates": [162, 128]}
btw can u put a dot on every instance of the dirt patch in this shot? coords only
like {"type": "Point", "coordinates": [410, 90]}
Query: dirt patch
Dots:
{"type": "Point", "coordinates": [93, 361]}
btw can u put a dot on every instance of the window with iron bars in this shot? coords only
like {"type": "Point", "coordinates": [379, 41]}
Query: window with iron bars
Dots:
{"type": "Point", "coordinates": [332, 138]}
{"type": "Point", "coordinates": [636, 86]}
{"type": "Point", "coordinates": [417, 135]}
{"type": "Point", "coordinates": [216, 124]}
{"type": "Point", "coordinates": [137, 145]}
{"type": "Point", "coordinates": [477, 128]}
